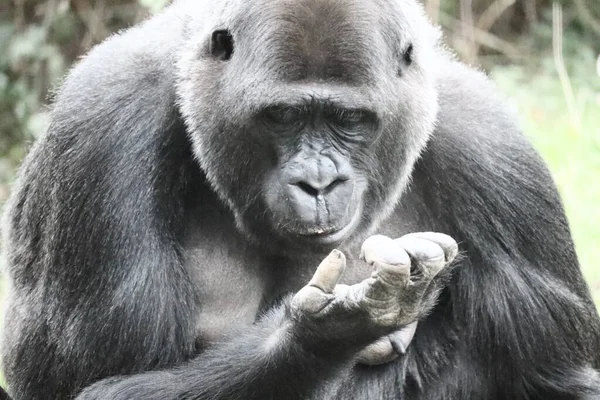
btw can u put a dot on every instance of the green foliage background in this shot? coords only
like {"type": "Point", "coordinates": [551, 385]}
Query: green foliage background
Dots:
{"type": "Point", "coordinates": [40, 40]}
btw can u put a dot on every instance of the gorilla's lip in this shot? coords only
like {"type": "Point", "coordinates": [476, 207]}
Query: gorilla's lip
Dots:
{"type": "Point", "coordinates": [329, 236]}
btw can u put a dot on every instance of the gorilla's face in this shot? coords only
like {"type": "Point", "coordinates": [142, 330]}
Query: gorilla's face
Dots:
{"type": "Point", "coordinates": [316, 187]}
{"type": "Point", "coordinates": [307, 116]}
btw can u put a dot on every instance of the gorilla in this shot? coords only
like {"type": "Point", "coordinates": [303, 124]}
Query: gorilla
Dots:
{"type": "Point", "coordinates": [275, 199]}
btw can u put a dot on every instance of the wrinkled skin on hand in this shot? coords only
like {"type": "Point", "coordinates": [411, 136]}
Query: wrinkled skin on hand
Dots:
{"type": "Point", "coordinates": [392, 299]}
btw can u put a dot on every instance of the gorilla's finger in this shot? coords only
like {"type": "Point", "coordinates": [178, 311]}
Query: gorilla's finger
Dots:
{"type": "Point", "coordinates": [447, 243]}
{"type": "Point", "coordinates": [382, 249]}
{"type": "Point", "coordinates": [392, 268]}
{"type": "Point", "coordinates": [427, 256]}
{"type": "Point", "coordinates": [311, 300]}
{"type": "Point", "coordinates": [388, 348]}
{"type": "Point", "coordinates": [315, 296]}
{"type": "Point", "coordinates": [329, 272]}
{"type": "Point", "coordinates": [402, 338]}
{"type": "Point", "coordinates": [380, 352]}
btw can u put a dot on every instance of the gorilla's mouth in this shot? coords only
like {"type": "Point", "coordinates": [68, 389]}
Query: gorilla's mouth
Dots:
{"type": "Point", "coordinates": [333, 235]}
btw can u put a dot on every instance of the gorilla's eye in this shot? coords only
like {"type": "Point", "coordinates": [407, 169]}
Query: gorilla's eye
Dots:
{"type": "Point", "coordinates": [221, 46]}
{"type": "Point", "coordinates": [352, 120]}
{"type": "Point", "coordinates": [283, 115]}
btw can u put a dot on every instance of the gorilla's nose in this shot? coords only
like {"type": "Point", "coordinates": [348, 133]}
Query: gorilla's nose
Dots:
{"type": "Point", "coordinates": [321, 187]}
{"type": "Point", "coordinates": [319, 195]}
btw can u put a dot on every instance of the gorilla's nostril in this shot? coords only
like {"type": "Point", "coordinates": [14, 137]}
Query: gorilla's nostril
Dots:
{"type": "Point", "coordinates": [316, 190]}
{"type": "Point", "coordinates": [334, 184]}
{"type": "Point", "coordinates": [306, 187]}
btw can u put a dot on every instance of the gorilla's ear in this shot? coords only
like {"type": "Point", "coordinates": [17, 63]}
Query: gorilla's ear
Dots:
{"type": "Point", "coordinates": [407, 56]}
{"type": "Point", "coordinates": [407, 59]}
{"type": "Point", "coordinates": [221, 45]}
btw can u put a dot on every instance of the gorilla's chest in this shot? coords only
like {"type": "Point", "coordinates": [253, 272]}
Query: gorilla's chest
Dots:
{"type": "Point", "coordinates": [228, 280]}
{"type": "Point", "coordinates": [234, 283]}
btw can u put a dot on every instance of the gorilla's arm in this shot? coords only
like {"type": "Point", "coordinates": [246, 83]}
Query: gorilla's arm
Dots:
{"type": "Point", "coordinates": [265, 361]}
{"type": "Point", "coordinates": [93, 224]}
{"type": "Point", "coordinates": [520, 307]}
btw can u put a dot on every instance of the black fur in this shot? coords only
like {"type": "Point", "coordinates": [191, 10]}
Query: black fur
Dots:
{"type": "Point", "coordinates": [140, 248]}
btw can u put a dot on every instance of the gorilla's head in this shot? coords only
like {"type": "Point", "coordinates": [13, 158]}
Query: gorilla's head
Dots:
{"type": "Point", "coordinates": [308, 115]}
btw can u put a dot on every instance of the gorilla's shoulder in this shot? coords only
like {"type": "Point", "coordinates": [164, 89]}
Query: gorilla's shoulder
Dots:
{"type": "Point", "coordinates": [471, 108]}
{"type": "Point", "coordinates": [477, 159]}
{"type": "Point", "coordinates": [118, 104]}
{"type": "Point", "coordinates": [475, 129]}
{"type": "Point", "coordinates": [128, 70]}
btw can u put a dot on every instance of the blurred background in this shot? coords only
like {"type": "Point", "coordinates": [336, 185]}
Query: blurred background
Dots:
{"type": "Point", "coordinates": [542, 54]}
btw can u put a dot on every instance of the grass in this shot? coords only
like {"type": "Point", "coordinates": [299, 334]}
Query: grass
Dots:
{"type": "Point", "coordinates": [572, 153]}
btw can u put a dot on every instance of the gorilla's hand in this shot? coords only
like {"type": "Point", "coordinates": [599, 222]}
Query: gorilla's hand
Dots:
{"type": "Point", "coordinates": [384, 307]}
{"type": "Point", "coordinates": [423, 248]}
